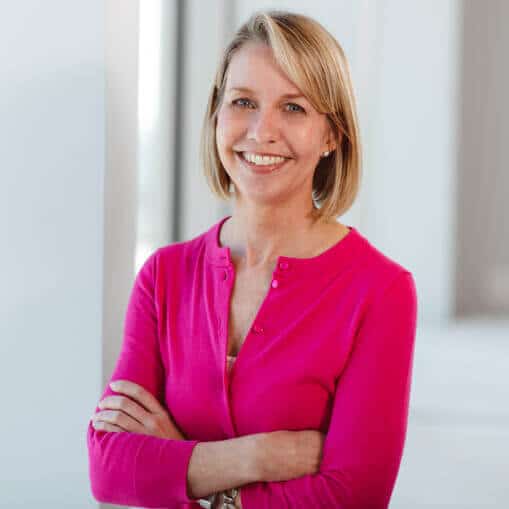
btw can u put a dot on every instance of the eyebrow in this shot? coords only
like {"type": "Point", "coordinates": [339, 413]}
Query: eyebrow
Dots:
{"type": "Point", "coordinates": [248, 90]}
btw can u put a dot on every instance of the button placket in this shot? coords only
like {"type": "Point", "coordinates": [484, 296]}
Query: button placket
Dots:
{"type": "Point", "coordinates": [280, 273]}
{"type": "Point", "coordinates": [224, 275]}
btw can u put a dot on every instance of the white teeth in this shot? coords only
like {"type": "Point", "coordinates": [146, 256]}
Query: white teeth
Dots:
{"type": "Point", "coordinates": [262, 160]}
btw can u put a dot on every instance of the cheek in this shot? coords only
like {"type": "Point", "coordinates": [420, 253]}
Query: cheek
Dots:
{"type": "Point", "coordinates": [304, 131]}
{"type": "Point", "coordinates": [305, 141]}
{"type": "Point", "coordinates": [227, 127]}
{"type": "Point", "coordinates": [226, 138]}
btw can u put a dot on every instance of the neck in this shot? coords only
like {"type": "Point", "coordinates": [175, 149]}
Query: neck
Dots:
{"type": "Point", "coordinates": [257, 235]}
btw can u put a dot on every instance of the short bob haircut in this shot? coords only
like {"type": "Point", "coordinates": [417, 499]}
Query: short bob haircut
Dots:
{"type": "Point", "coordinates": [313, 59]}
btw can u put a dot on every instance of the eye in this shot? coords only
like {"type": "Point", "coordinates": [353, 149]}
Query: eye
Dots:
{"type": "Point", "coordinates": [236, 102]}
{"type": "Point", "coordinates": [299, 109]}
{"type": "Point", "coordinates": [243, 103]}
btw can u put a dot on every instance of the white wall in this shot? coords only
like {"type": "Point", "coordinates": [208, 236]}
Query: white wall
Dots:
{"type": "Point", "coordinates": [411, 180]}
{"type": "Point", "coordinates": [121, 189]}
{"type": "Point", "coordinates": [51, 183]}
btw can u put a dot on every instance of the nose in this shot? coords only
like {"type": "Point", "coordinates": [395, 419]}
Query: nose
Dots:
{"type": "Point", "coordinates": [264, 127]}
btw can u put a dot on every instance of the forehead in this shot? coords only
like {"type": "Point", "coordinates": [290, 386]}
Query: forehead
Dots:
{"type": "Point", "coordinates": [253, 66]}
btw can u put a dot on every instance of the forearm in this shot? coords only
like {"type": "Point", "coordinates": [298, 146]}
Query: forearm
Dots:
{"type": "Point", "coordinates": [225, 464]}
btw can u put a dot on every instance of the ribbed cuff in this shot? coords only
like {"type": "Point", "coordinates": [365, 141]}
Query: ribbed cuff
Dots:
{"type": "Point", "coordinates": [167, 484]}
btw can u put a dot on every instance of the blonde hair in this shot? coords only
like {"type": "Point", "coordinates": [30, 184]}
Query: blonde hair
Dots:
{"type": "Point", "coordinates": [313, 59]}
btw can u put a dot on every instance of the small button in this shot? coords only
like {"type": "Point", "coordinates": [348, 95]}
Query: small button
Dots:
{"type": "Point", "coordinates": [283, 265]}
{"type": "Point", "coordinates": [257, 329]}
{"type": "Point", "coordinates": [275, 283]}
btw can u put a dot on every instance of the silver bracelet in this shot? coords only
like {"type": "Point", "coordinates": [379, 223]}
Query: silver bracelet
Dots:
{"type": "Point", "coordinates": [207, 502]}
{"type": "Point", "coordinates": [227, 499]}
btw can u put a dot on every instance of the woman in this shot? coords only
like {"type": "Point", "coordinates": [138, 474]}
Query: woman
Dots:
{"type": "Point", "coordinates": [270, 356]}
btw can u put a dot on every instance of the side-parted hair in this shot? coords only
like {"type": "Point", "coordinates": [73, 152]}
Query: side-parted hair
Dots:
{"type": "Point", "coordinates": [314, 60]}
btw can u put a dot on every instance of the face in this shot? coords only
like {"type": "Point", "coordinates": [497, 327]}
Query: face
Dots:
{"type": "Point", "coordinates": [264, 113]}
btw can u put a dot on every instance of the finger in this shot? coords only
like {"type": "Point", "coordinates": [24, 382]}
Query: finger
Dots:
{"type": "Point", "coordinates": [126, 405]}
{"type": "Point", "coordinates": [106, 426]}
{"type": "Point", "coordinates": [118, 418]}
{"type": "Point", "coordinates": [139, 394]}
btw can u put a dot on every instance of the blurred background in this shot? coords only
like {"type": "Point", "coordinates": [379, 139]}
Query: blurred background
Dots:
{"type": "Point", "coordinates": [101, 107]}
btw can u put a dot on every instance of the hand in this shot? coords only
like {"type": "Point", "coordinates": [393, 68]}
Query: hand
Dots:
{"type": "Point", "coordinates": [238, 502]}
{"type": "Point", "coordinates": [286, 455]}
{"type": "Point", "coordinates": [144, 415]}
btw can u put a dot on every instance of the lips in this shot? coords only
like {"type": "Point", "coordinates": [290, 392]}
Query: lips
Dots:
{"type": "Point", "coordinates": [260, 169]}
{"type": "Point", "coordinates": [261, 154]}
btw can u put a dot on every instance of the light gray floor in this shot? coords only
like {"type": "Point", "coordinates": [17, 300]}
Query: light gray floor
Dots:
{"type": "Point", "coordinates": [457, 446]}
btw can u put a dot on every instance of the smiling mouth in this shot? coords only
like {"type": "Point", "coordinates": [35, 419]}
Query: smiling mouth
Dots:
{"type": "Point", "coordinates": [261, 168]}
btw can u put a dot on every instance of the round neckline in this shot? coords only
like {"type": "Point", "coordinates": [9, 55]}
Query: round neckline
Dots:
{"type": "Point", "coordinates": [341, 249]}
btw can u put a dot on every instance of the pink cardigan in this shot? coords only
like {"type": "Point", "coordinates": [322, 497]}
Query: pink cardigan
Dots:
{"type": "Point", "coordinates": [330, 349]}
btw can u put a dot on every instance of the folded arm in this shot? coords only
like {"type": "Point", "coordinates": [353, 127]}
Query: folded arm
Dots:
{"type": "Point", "coordinates": [144, 470]}
{"type": "Point", "coordinates": [132, 468]}
{"type": "Point", "coordinates": [364, 444]}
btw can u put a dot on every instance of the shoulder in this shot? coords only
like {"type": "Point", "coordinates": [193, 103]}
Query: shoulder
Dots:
{"type": "Point", "coordinates": [384, 291]}
{"type": "Point", "coordinates": [379, 272]}
{"type": "Point", "coordinates": [178, 255]}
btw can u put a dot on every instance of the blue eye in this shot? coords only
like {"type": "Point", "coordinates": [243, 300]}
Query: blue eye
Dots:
{"type": "Point", "coordinates": [300, 108]}
{"type": "Point", "coordinates": [236, 102]}
{"type": "Point", "coordinates": [241, 103]}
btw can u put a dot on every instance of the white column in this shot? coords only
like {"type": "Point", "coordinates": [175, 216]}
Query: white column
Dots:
{"type": "Point", "coordinates": [157, 107]}
{"type": "Point", "coordinates": [206, 23]}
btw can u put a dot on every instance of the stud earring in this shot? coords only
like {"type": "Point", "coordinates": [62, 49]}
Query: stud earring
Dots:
{"type": "Point", "coordinates": [325, 154]}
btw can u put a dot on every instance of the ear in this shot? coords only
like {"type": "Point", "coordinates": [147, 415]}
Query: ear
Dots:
{"type": "Point", "coordinates": [331, 144]}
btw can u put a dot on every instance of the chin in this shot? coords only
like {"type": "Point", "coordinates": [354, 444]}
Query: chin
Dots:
{"type": "Point", "coordinates": [263, 195]}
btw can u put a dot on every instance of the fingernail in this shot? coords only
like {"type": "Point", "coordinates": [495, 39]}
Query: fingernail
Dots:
{"type": "Point", "coordinates": [114, 385]}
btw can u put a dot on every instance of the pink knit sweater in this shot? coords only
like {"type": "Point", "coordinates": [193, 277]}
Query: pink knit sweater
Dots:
{"type": "Point", "coordinates": [330, 349]}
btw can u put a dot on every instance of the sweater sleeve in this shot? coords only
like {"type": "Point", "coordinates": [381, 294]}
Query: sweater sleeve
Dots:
{"type": "Point", "coordinates": [131, 468]}
{"type": "Point", "coordinates": [363, 447]}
